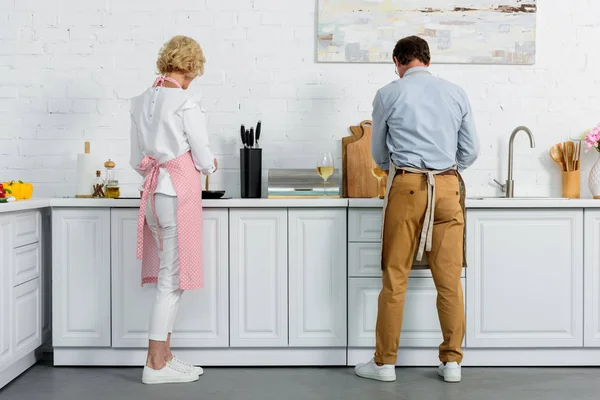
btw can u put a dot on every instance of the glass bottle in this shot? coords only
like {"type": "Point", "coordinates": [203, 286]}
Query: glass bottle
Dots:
{"type": "Point", "coordinates": [112, 185]}
{"type": "Point", "coordinates": [98, 186]}
{"type": "Point", "coordinates": [112, 189]}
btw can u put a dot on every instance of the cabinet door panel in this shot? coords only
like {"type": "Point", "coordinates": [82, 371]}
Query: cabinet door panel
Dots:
{"type": "Point", "coordinates": [258, 278]}
{"type": "Point", "coordinates": [6, 288]}
{"type": "Point", "coordinates": [202, 319]}
{"type": "Point", "coordinates": [525, 278]}
{"type": "Point", "coordinates": [317, 277]}
{"type": "Point", "coordinates": [420, 327]}
{"type": "Point", "coordinates": [27, 314]}
{"type": "Point", "coordinates": [81, 277]}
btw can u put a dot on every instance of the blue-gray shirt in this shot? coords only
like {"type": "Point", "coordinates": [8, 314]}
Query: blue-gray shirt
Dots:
{"type": "Point", "coordinates": [423, 122]}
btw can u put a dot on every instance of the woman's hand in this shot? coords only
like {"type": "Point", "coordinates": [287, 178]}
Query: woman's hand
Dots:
{"type": "Point", "coordinates": [216, 165]}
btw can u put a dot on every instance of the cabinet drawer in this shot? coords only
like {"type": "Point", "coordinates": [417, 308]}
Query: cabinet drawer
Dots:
{"type": "Point", "coordinates": [364, 225]}
{"type": "Point", "coordinates": [421, 326]}
{"type": "Point", "coordinates": [364, 260]}
{"type": "Point", "coordinates": [27, 263]}
{"type": "Point", "coordinates": [26, 228]}
{"type": "Point", "coordinates": [27, 328]}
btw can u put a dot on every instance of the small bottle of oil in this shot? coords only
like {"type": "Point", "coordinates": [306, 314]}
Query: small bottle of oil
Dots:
{"type": "Point", "coordinates": [112, 189]}
{"type": "Point", "coordinates": [112, 185]}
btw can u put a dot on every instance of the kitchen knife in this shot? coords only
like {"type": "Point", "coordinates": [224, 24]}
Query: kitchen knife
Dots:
{"type": "Point", "coordinates": [243, 135]}
{"type": "Point", "coordinates": [251, 140]}
{"type": "Point", "coordinates": [247, 138]}
{"type": "Point", "coordinates": [258, 126]}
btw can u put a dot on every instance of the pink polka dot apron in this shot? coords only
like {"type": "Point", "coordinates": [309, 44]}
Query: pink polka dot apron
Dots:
{"type": "Point", "coordinates": [187, 182]}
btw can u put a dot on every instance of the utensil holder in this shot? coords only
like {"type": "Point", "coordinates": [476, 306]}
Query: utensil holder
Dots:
{"type": "Point", "coordinates": [571, 184]}
{"type": "Point", "coordinates": [251, 173]}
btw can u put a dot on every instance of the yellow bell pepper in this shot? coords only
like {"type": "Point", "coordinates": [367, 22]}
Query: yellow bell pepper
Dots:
{"type": "Point", "coordinates": [20, 190]}
{"type": "Point", "coordinates": [26, 191]}
{"type": "Point", "coordinates": [14, 187]}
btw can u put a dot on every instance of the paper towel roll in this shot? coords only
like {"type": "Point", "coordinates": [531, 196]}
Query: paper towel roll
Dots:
{"type": "Point", "coordinates": [86, 172]}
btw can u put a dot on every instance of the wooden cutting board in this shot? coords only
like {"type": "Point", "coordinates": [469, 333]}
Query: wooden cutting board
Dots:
{"type": "Point", "coordinates": [358, 182]}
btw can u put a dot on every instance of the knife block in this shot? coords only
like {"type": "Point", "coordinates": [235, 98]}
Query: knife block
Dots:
{"type": "Point", "coordinates": [251, 173]}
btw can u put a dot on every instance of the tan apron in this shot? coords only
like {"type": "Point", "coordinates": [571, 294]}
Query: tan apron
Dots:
{"type": "Point", "coordinates": [426, 237]}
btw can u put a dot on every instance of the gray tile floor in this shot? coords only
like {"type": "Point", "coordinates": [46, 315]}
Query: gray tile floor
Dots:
{"type": "Point", "coordinates": [49, 383]}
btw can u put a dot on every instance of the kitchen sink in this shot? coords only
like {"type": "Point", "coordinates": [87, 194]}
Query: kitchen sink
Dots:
{"type": "Point", "coordinates": [515, 198]}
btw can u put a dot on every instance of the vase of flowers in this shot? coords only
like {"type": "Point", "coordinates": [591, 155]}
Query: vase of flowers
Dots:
{"type": "Point", "coordinates": [592, 141]}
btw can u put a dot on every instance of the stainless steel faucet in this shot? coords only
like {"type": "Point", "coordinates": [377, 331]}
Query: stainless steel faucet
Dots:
{"type": "Point", "coordinates": [510, 184]}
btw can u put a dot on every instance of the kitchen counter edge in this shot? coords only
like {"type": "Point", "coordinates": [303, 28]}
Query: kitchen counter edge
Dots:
{"type": "Point", "coordinates": [294, 203]}
{"type": "Point", "coordinates": [487, 203]}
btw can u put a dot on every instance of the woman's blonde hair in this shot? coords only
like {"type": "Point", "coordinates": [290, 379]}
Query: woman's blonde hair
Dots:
{"type": "Point", "coordinates": [181, 54]}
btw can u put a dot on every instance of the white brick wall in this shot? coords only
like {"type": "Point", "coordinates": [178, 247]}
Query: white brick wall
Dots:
{"type": "Point", "coordinates": [67, 68]}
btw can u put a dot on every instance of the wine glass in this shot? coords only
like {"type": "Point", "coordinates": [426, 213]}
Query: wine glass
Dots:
{"type": "Point", "coordinates": [378, 173]}
{"type": "Point", "coordinates": [325, 169]}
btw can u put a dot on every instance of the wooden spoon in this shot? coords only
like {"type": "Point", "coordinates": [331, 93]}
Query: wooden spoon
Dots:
{"type": "Point", "coordinates": [569, 154]}
{"type": "Point", "coordinates": [577, 155]}
{"type": "Point", "coordinates": [206, 184]}
{"type": "Point", "coordinates": [557, 156]}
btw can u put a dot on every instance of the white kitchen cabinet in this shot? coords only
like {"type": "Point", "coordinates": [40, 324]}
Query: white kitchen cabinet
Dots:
{"type": "Point", "coordinates": [27, 263]}
{"type": "Point", "coordinates": [364, 224]}
{"type": "Point", "coordinates": [420, 325]}
{"type": "Point", "coordinates": [258, 278]}
{"type": "Point", "coordinates": [364, 261]}
{"type": "Point", "coordinates": [525, 278]}
{"type": "Point", "coordinates": [317, 277]}
{"type": "Point", "coordinates": [46, 243]}
{"type": "Point", "coordinates": [592, 279]}
{"type": "Point", "coordinates": [81, 277]}
{"type": "Point", "coordinates": [26, 228]}
{"type": "Point", "coordinates": [6, 287]}
{"type": "Point", "coordinates": [27, 314]}
{"type": "Point", "coordinates": [202, 319]}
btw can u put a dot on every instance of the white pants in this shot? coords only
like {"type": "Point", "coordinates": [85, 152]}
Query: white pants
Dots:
{"type": "Point", "coordinates": [168, 295]}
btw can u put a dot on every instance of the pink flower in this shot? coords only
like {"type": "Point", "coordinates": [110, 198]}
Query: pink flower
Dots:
{"type": "Point", "coordinates": [592, 138]}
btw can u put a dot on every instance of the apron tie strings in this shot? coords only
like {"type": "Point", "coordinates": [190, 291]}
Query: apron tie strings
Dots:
{"type": "Point", "coordinates": [426, 239]}
{"type": "Point", "coordinates": [151, 169]}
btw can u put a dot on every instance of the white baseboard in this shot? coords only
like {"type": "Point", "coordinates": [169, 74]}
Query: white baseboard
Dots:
{"type": "Point", "coordinates": [490, 357]}
{"type": "Point", "coordinates": [331, 357]}
{"type": "Point", "coordinates": [206, 357]}
{"type": "Point", "coordinates": [18, 367]}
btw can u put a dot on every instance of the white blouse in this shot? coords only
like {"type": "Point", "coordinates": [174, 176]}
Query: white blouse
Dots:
{"type": "Point", "coordinates": [166, 123]}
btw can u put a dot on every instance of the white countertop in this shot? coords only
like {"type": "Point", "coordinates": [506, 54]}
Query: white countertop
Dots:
{"type": "Point", "coordinates": [495, 202]}
{"type": "Point", "coordinates": [134, 203]}
{"type": "Point", "coordinates": [489, 203]}
{"type": "Point", "coordinates": [31, 204]}
{"type": "Point", "coordinates": [222, 203]}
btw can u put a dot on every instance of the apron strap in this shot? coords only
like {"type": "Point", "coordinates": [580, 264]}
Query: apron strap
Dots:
{"type": "Point", "coordinates": [160, 81]}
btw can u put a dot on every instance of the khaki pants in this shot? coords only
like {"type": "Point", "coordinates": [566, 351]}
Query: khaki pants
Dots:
{"type": "Point", "coordinates": [405, 213]}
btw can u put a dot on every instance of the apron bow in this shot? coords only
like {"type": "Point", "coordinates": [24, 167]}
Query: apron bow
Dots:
{"type": "Point", "coordinates": [151, 169]}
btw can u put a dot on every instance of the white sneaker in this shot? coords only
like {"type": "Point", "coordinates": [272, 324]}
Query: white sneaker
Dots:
{"type": "Point", "coordinates": [186, 367]}
{"type": "Point", "coordinates": [450, 371]}
{"type": "Point", "coordinates": [168, 374]}
{"type": "Point", "coordinates": [370, 370]}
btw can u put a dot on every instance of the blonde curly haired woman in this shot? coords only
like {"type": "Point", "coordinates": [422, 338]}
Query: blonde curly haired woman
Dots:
{"type": "Point", "coordinates": [169, 148]}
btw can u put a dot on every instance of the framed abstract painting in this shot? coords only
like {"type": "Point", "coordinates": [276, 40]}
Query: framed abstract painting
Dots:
{"type": "Point", "coordinates": [458, 31]}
